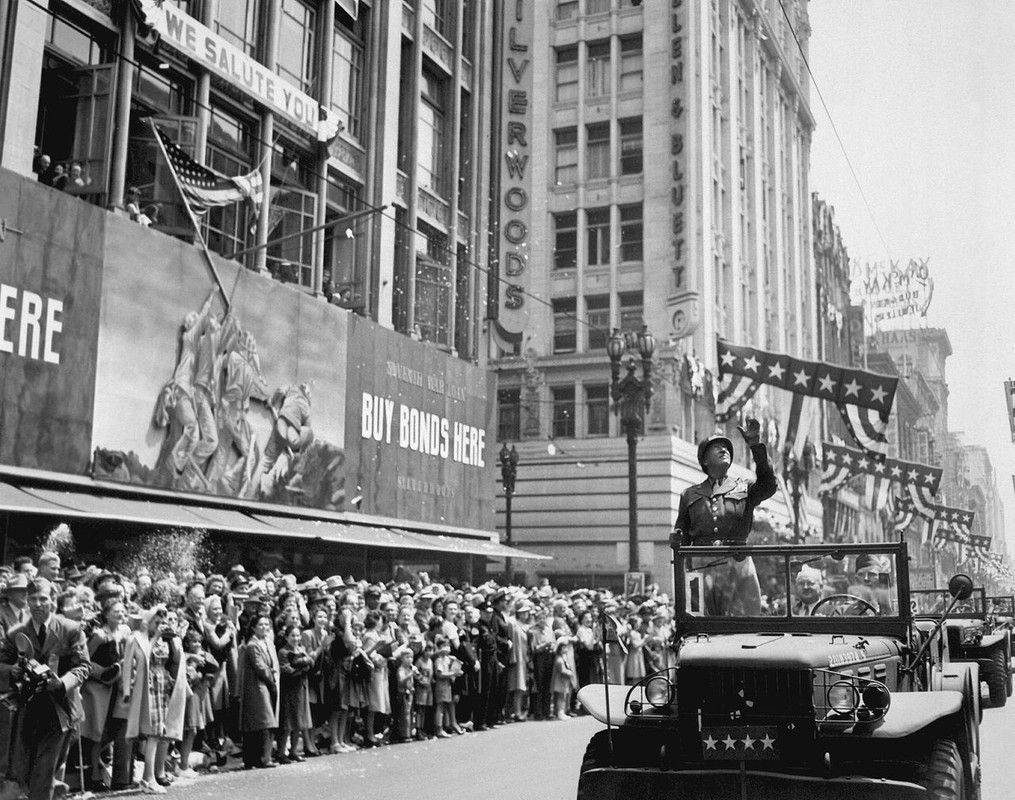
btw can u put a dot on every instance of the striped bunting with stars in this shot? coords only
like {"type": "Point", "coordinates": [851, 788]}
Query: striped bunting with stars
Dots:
{"type": "Point", "coordinates": [840, 463]}
{"type": "Point", "coordinates": [863, 398]}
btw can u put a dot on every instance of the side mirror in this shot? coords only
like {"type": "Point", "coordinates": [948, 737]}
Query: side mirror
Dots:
{"type": "Point", "coordinates": [960, 586]}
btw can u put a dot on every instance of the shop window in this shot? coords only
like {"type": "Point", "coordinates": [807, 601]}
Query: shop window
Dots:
{"type": "Point", "coordinates": [597, 231]}
{"type": "Point", "coordinates": [434, 289]}
{"type": "Point", "coordinates": [566, 151]}
{"type": "Point", "coordinates": [563, 411]}
{"type": "Point", "coordinates": [565, 325]}
{"type": "Point", "coordinates": [630, 146]}
{"type": "Point", "coordinates": [567, 75]}
{"type": "Point", "coordinates": [347, 77]}
{"type": "Point", "coordinates": [597, 151]}
{"type": "Point", "coordinates": [296, 44]}
{"type": "Point", "coordinates": [631, 64]}
{"type": "Point", "coordinates": [291, 261]}
{"type": "Point", "coordinates": [631, 233]}
{"type": "Point", "coordinates": [509, 415]}
{"type": "Point", "coordinates": [597, 409]}
{"type": "Point", "coordinates": [431, 156]}
{"type": "Point", "coordinates": [597, 70]}
{"type": "Point", "coordinates": [597, 315]}
{"type": "Point", "coordinates": [565, 240]}
{"type": "Point", "coordinates": [236, 22]}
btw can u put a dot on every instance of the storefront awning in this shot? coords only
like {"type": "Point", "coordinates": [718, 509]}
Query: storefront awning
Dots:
{"type": "Point", "coordinates": [338, 532]}
{"type": "Point", "coordinates": [479, 547]}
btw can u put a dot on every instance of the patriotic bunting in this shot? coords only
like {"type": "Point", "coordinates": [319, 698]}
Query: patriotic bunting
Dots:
{"type": "Point", "coordinates": [951, 526]}
{"type": "Point", "coordinates": [903, 514]}
{"type": "Point", "coordinates": [980, 545]}
{"type": "Point", "coordinates": [864, 398]}
{"type": "Point", "coordinates": [840, 463]}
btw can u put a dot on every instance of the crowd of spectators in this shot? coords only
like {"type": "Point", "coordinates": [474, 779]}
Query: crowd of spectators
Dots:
{"type": "Point", "coordinates": [197, 672]}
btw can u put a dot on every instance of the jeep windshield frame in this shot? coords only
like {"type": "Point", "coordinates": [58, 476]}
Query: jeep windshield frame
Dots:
{"type": "Point", "coordinates": [931, 604]}
{"type": "Point", "coordinates": [690, 564]}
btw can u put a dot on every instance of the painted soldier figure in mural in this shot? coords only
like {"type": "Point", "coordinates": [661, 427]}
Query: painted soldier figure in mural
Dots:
{"type": "Point", "coordinates": [177, 406]}
{"type": "Point", "coordinates": [720, 511]}
{"type": "Point", "coordinates": [291, 433]}
{"type": "Point", "coordinates": [233, 466]}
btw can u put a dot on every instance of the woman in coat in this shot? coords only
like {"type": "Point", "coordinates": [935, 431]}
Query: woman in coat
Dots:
{"type": "Point", "coordinates": [153, 693]}
{"type": "Point", "coordinates": [259, 682]}
{"type": "Point", "coordinates": [377, 645]}
{"type": "Point", "coordinates": [220, 637]}
{"type": "Point", "coordinates": [106, 642]}
{"type": "Point", "coordinates": [294, 705]}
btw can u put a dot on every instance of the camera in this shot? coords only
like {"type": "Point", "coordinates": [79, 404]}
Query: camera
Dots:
{"type": "Point", "coordinates": [33, 680]}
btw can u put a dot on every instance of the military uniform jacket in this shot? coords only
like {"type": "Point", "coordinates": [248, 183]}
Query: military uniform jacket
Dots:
{"type": "Point", "coordinates": [722, 514]}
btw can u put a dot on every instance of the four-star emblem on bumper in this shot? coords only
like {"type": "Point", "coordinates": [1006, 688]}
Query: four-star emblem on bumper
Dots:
{"type": "Point", "coordinates": [739, 742]}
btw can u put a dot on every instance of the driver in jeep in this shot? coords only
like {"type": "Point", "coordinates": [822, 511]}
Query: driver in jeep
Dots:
{"type": "Point", "coordinates": [719, 511]}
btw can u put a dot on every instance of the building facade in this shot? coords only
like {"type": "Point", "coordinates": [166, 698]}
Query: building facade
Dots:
{"type": "Point", "coordinates": [314, 378]}
{"type": "Point", "coordinates": [664, 184]}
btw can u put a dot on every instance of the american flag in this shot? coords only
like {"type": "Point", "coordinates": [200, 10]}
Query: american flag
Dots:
{"type": "Point", "coordinates": [863, 398]}
{"type": "Point", "coordinates": [840, 463]}
{"type": "Point", "coordinates": [204, 188]}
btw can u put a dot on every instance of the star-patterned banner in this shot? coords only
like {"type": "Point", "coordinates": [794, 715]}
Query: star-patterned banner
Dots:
{"type": "Point", "coordinates": [864, 398]}
{"type": "Point", "coordinates": [840, 463]}
{"type": "Point", "coordinates": [738, 742]}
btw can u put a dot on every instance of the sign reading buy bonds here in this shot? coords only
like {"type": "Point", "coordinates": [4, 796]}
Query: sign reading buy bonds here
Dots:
{"type": "Point", "coordinates": [184, 33]}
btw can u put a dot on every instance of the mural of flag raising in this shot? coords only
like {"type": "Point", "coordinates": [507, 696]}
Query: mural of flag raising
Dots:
{"type": "Point", "coordinates": [203, 188]}
{"type": "Point", "coordinates": [840, 463]}
{"type": "Point", "coordinates": [863, 398]}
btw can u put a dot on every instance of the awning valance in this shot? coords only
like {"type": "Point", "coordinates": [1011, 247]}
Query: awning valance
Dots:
{"type": "Point", "coordinates": [479, 547]}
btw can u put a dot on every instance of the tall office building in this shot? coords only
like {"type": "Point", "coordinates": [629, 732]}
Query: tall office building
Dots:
{"type": "Point", "coordinates": [653, 171]}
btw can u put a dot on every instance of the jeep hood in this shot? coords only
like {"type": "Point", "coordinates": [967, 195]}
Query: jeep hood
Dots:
{"type": "Point", "coordinates": [785, 651]}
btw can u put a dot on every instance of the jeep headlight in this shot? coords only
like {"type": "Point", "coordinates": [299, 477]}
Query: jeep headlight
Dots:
{"type": "Point", "coordinates": [660, 690]}
{"type": "Point", "coordinates": [842, 697]}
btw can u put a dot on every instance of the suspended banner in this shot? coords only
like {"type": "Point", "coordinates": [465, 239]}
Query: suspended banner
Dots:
{"type": "Point", "coordinates": [863, 398]}
{"type": "Point", "coordinates": [892, 290]}
{"type": "Point", "coordinates": [841, 463]}
{"type": "Point", "coordinates": [1009, 398]}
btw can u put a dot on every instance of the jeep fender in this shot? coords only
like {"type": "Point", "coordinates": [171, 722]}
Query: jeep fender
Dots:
{"type": "Point", "coordinates": [607, 703]}
{"type": "Point", "coordinates": [964, 677]}
{"type": "Point", "coordinates": [912, 712]}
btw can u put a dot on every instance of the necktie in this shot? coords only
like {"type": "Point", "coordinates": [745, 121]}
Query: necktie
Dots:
{"type": "Point", "coordinates": [42, 635]}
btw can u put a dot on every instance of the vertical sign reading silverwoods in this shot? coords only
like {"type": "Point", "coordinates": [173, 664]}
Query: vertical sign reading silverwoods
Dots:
{"type": "Point", "coordinates": [517, 114]}
{"type": "Point", "coordinates": [1009, 397]}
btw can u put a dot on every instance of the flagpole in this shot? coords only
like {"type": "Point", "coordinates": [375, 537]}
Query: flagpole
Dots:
{"type": "Point", "coordinates": [190, 213]}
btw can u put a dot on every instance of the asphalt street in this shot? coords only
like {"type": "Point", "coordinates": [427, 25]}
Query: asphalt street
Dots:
{"type": "Point", "coordinates": [528, 761]}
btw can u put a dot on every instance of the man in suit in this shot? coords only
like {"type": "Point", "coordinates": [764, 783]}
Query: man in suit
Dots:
{"type": "Point", "coordinates": [720, 511]}
{"type": "Point", "coordinates": [42, 724]}
{"type": "Point", "coordinates": [13, 612]}
{"type": "Point", "coordinates": [807, 589]}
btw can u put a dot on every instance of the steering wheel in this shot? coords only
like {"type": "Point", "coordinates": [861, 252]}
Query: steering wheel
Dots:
{"type": "Point", "coordinates": [864, 605]}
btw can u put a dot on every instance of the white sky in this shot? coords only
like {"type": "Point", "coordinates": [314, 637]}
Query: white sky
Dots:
{"type": "Point", "coordinates": [922, 93]}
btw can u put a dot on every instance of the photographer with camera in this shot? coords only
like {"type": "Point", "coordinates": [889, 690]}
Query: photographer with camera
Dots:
{"type": "Point", "coordinates": [46, 683]}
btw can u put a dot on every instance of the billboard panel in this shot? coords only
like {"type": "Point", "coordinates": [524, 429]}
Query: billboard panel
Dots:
{"type": "Point", "coordinates": [50, 282]}
{"type": "Point", "coordinates": [423, 422]}
{"type": "Point", "coordinates": [247, 402]}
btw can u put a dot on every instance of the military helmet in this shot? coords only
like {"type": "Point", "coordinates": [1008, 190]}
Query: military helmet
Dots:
{"type": "Point", "coordinates": [709, 440]}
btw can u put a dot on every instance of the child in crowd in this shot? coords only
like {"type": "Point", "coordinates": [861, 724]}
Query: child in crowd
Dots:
{"type": "Point", "coordinates": [443, 674]}
{"type": "Point", "coordinates": [201, 669]}
{"type": "Point", "coordinates": [294, 664]}
{"type": "Point", "coordinates": [564, 680]}
{"type": "Point", "coordinates": [423, 696]}
{"type": "Point", "coordinates": [405, 679]}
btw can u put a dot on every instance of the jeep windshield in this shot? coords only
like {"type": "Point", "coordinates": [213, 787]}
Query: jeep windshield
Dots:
{"type": "Point", "coordinates": [806, 587]}
{"type": "Point", "coordinates": [1003, 606]}
{"type": "Point", "coordinates": [934, 603]}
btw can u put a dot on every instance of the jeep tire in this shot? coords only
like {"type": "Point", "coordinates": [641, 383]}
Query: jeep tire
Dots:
{"type": "Point", "coordinates": [942, 774]}
{"type": "Point", "coordinates": [997, 678]}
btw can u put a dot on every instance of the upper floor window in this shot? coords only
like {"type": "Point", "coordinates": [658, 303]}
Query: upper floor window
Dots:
{"type": "Point", "coordinates": [567, 10]}
{"type": "Point", "coordinates": [597, 70]}
{"type": "Point", "coordinates": [566, 150]}
{"type": "Point", "coordinates": [631, 233]}
{"type": "Point", "coordinates": [597, 315]}
{"type": "Point", "coordinates": [597, 6]}
{"type": "Point", "coordinates": [597, 163]}
{"type": "Point", "coordinates": [567, 75]}
{"type": "Point", "coordinates": [296, 44]}
{"type": "Point", "coordinates": [347, 77]}
{"type": "Point", "coordinates": [236, 22]}
{"type": "Point", "coordinates": [565, 240]}
{"type": "Point", "coordinates": [73, 41]}
{"type": "Point", "coordinates": [509, 415]}
{"type": "Point", "coordinates": [565, 325]}
{"type": "Point", "coordinates": [597, 230]}
{"type": "Point", "coordinates": [437, 15]}
{"type": "Point", "coordinates": [597, 409]}
{"type": "Point", "coordinates": [432, 144]}
{"type": "Point", "coordinates": [563, 411]}
{"type": "Point", "coordinates": [632, 311]}
{"type": "Point", "coordinates": [631, 60]}
{"type": "Point", "coordinates": [630, 146]}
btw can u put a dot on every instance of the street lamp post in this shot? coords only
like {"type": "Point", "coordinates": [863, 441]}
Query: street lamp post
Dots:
{"type": "Point", "coordinates": [508, 471]}
{"type": "Point", "coordinates": [632, 398]}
